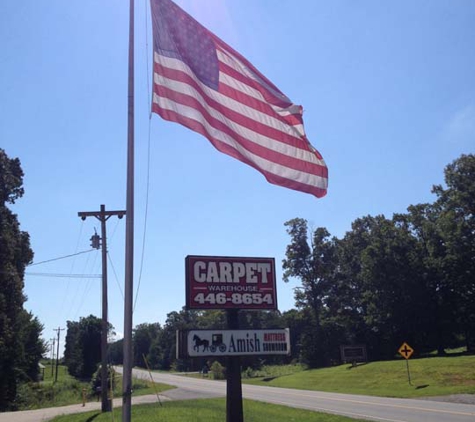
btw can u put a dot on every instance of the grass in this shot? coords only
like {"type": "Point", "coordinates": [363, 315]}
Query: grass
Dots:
{"type": "Point", "coordinates": [208, 410]}
{"type": "Point", "coordinates": [429, 377]}
{"type": "Point", "coordinates": [273, 371]}
{"type": "Point", "coordinates": [68, 390]}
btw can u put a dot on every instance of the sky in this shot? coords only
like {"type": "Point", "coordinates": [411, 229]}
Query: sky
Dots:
{"type": "Point", "coordinates": [388, 91]}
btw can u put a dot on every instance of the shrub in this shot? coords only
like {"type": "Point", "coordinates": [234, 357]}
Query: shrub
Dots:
{"type": "Point", "coordinates": [217, 371]}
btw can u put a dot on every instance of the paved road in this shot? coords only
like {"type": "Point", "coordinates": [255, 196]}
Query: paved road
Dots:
{"type": "Point", "coordinates": [364, 407]}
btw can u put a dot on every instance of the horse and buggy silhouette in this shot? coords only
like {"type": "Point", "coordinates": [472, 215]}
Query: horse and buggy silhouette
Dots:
{"type": "Point", "coordinates": [216, 343]}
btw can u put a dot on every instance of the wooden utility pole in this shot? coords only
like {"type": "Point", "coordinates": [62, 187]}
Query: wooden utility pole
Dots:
{"type": "Point", "coordinates": [103, 216]}
{"type": "Point", "coordinates": [52, 357]}
{"type": "Point", "coordinates": [57, 353]}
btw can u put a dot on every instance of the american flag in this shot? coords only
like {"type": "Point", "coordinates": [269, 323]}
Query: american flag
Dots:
{"type": "Point", "coordinates": [202, 83]}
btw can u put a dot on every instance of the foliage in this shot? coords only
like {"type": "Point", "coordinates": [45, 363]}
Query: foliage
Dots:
{"type": "Point", "coordinates": [273, 371]}
{"type": "Point", "coordinates": [68, 390]}
{"type": "Point", "coordinates": [314, 265]}
{"type": "Point", "coordinates": [96, 380]}
{"type": "Point", "coordinates": [146, 339]}
{"type": "Point", "coordinates": [115, 352]}
{"type": "Point", "coordinates": [32, 346]}
{"type": "Point", "coordinates": [34, 395]}
{"type": "Point", "coordinates": [456, 225]}
{"type": "Point", "coordinates": [387, 280]}
{"type": "Point", "coordinates": [20, 344]}
{"type": "Point", "coordinates": [82, 352]}
{"type": "Point", "coordinates": [217, 371]}
{"type": "Point", "coordinates": [409, 278]}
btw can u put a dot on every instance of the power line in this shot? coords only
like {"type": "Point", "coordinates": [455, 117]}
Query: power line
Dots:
{"type": "Point", "coordinates": [73, 262]}
{"type": "Point", "coordinates": [65, 275]}
{"type": "Point", "coordinates": [115, 274]}
{"type": "Point", "coordinates": [61, 257]}
{"type": "Point", "coordinates": [86, 289]}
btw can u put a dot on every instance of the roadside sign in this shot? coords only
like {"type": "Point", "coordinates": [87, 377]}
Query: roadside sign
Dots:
{"type": "Point", "coordinates": [353, 353]}
{"type": "Point", "coordinates": [406, 351]}
{"type": "Point", "coordinates": [217, 282]}
{"type": "Point", "coordinates": [217, 343]}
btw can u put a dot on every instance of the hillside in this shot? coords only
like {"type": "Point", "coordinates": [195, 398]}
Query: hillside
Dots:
{"type": "Point", "coordinates": [435, 376]}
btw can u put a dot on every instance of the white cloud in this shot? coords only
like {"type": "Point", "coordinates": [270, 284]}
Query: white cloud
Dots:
{"type": "Point", "coordinates": [118, 336]}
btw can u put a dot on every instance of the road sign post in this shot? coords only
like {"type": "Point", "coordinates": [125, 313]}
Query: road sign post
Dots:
{"type": "Point", "coordinates": [234, 412]}
{"type": "Point", "coordinates": [232, 284]}
{"type": "Point", "coordinates": [406, 352]}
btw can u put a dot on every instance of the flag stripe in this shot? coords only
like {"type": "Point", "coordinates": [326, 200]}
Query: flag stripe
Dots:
{"type": "Point", "coordinates": [202, 83]}
{"type": "Point", "coordinates": [183, 83]}
{"type": "Point", "coordinates": [239, 62]}
{"type": "Point", "coordinates": [248, 138]}
{"type": "Point", "coordinates": [275, 173]}
{"type": "Point", "coordinates": [223, 132]}
{"type": "Point", "coordinates": [253, 95]}
{"type": "Point", "coordinates": [183, 73]}
{"type": "Point", "coordinates": [242, 74]}
{"type": "Point", "coordinates": [244, 124]}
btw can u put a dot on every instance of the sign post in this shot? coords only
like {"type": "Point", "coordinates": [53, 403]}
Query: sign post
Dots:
{"type": "Point", "coordinates": [234, 411]}
{"type": "Point", "coordinates": [232, 284]}
{"type": "Point", "coordinates": [406, 352]}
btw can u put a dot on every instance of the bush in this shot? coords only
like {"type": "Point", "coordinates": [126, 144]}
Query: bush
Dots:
{"type": "Point", "coordinates": [217, 371]}
{"type": "Point", "coordinates": [273, 371]}
{"type": "Point", "coordinates": [248, 373]}
{"type": "Point", "coordinates": [96, 380]}
{"type": "Point", "coordinates": [34, 395]}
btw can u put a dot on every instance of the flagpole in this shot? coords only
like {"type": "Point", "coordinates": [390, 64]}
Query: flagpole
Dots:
{"type": "Point", "coordinates": [129, 234]}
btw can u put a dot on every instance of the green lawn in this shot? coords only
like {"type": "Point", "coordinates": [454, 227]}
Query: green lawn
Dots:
{"type": "Point", "coordinates": [430, 377]}
{"type": "Point", "coordinates": [209, 410]}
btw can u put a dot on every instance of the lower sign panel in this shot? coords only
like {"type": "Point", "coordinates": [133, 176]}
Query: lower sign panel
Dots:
{"type": "Point", "coordinates": [201, 343]}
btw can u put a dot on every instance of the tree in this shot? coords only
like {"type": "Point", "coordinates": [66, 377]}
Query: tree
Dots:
{"type": "Point", "coordinates": [314, 265]}
{"type": "Point", "coordinates": [393, 297]}
{"type": "Point", "coordinates": [116, 352]}
{"type": "Point", "coordinates": [182, 320]}
{"type": "Point", "coordinates": [33, 346]}
{"type": "Point", "coordinates": [82, 352]}
{"type": "Point", "coordinates": [456, 225]}
{"type": "Point", "coordinates": [144, 336]}
{"type": "Point", "coordinates": [73, 349]}
{"type": "Point", "coordinates": [422, 221]}
{"type": "Point", "coordinates": [15, 255]}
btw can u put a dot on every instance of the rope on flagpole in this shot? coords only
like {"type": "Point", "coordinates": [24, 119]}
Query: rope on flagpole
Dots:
{"type": "Point", "coordinates": [147, 194]}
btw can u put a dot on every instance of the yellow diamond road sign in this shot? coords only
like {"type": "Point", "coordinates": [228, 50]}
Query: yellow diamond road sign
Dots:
{"type": "Point", "coordinates": [406, 351]}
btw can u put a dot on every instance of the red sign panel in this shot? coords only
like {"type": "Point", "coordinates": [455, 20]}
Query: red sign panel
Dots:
{"type": "Point", "coordinates": [218, 282]}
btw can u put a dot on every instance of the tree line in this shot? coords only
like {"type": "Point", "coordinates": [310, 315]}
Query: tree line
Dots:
{"type": "Point", "coordinates": [387, 280]}
{"type": "Point", "coordinates": [21, 346]}
{"type": "Point", "coordinates": [409, 278]}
